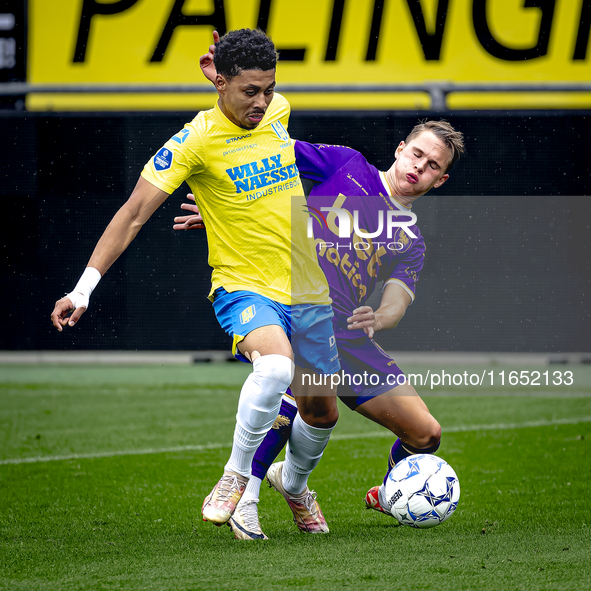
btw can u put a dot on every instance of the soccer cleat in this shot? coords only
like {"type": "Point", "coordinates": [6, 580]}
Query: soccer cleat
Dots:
{"type": "Point", "coordinates": [307, 514]}
{"type": "Point", "coordinates": [221, 502]}
{"type": "Point", "coordinates": [372, 501]}
{"type": "Point", "coordinates": [245, 521]}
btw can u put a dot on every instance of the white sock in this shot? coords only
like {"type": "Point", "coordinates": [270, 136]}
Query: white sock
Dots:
{"type": "Point", "coordinates": [253, 490]}
{"type": "Point", "coordinates": [244, 446]}
{"type": "Point", "coordinates": [258, 407]}
{"type": "Point", "coordinates": [304, 450]}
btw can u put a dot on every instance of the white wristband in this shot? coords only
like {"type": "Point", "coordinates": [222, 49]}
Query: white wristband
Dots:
{"type": "Point", "coordinates": [85, 286]}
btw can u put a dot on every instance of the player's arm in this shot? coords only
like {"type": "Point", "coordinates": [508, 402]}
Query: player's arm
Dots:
{"type": "Point", "coordinates": [393, 306]}
{"type": "Point", "coordinates": [123, 228]}
{"type": "Point", "coordinates": [395, 301]}
{"type": "Point", "coordinates": [318, 162]}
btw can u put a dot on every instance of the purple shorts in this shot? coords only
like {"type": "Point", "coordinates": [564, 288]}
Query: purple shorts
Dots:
{"type": "Point", "coordinates": [367, 370]}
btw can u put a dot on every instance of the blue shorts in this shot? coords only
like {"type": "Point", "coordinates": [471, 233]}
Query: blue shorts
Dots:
{"type": "Point", "coordinates": [368, 370]}
{"type": "Point", "coordinates": [309, 328]}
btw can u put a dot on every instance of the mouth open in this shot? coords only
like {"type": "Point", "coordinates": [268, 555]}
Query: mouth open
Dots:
{"type": "Point", "coordinates": [413, 179]}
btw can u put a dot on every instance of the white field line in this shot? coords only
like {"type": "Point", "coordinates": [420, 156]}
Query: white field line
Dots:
{"type": "Point", "coordinates": [336, 437]}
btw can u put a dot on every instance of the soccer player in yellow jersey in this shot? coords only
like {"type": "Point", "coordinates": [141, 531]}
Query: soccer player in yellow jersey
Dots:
{"type": "Point", "coordinates": [239, 161]}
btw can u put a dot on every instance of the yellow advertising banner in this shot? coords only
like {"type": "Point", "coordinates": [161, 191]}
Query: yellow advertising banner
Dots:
{"type": "Point", "coordinates": [343, 44]}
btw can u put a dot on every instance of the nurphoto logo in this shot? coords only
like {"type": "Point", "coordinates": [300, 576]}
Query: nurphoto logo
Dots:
{"type": "Point", "coordinates": [392, 222]}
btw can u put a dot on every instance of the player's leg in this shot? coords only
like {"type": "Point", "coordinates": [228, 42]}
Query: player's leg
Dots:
{"type": "Point", "coordinates": [245, 520]}
{"type": "Point", "coordinates": [316, 418]}
{"type": "Point", "coordinates": [276, 438]}
{"type": "Point", "coordinates": [402, 411]}
{"type": "Point", "coordinates": [391, 402]}
{"type": "Point", "coordinates": [305, 449]}
{"type": "Point", "coordinates": [256, 324]}
{"type": "Point", "coordinates": [316, 360]}
{"type": "Point", "coordinates": [386, 397]}
{"type": "Point", "coordinates": [260, 397]}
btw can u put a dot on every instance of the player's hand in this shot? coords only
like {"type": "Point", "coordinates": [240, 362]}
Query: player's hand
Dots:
{"type": "Point", "coordinates": [189, 222]}
{"type": "Point", "coordinates": [206, 61]}
{"type": "Point", "coordinates": [60, 316]}
{"type": "Point", "coordinates": [363, 318]}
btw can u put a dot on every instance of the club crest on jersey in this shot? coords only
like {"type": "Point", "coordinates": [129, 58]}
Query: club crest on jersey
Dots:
{"type": "Point", "coordinates": [163, 159]}
{"type": "Point", "coordinates": [280, 131]}
{"type": "Point", "coordinates": [181, 136]}
{"type": "Point", "coordinates": [402, 240]}
{"type": "Point", "coordinates": [247, 314]}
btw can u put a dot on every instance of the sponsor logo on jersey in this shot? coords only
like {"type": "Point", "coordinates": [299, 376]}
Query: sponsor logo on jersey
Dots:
{"type": "Point", "coordinates": [261, 173]}
{"type": "Point", "coordinates": [163, 159]}
{"type": "Point", "coordinates": [280, 131]}
{"type": "Point", "coordinates": [181, 136]}
{"type": "Point", "coordinates": [239, 137]}
{"type": "Point", "coordinates": [247, 314]}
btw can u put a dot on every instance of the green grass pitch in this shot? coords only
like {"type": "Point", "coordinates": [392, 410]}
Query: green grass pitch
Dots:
{"type": "Point", "coordinates": [103, 471]}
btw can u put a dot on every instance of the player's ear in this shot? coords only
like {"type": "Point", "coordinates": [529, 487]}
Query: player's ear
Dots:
{"type": "Point", "coordinates": [399, 149]}
{"type": "Point", "coordinates": [221, 84]}
{"type": "Point", "coordinates": [441, 181]}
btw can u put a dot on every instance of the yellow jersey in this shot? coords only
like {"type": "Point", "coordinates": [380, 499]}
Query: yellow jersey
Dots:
{"type": "Point", "coordinates": [248, 190]}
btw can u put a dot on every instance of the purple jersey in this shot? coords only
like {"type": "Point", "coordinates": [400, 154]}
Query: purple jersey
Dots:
{"type": "Point", "coordinates": [353, 264]}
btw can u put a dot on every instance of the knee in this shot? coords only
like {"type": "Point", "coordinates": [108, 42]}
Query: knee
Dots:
{"type": "Point", "coordinates": [275, 371]}
{"type": "Point", "coordinates": [430, 434]}
{"type": "Point", "coordinates": [327, 420]}
{"type": "Point", "coordinates": [321, 412]}
{"type": "Point", "coordinates": [260, 398]}
{"type": "Point", "coordinates": [425, 434]}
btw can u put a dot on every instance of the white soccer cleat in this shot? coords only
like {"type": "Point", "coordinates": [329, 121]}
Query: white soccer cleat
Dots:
{"type": "Point", "coordinates": [221, 502]}
{"type": "Point", "coordinates": [307, 514]}
{"type": "Point", "coordinates": [245, 521]}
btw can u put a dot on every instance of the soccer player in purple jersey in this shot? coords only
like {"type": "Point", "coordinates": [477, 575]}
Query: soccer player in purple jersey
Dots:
{"type": "Point", "coordinates": [358, 247]}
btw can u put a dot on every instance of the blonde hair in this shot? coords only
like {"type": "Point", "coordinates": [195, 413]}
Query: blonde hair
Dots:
{"type": "Point", "coordinates": [443, 130]}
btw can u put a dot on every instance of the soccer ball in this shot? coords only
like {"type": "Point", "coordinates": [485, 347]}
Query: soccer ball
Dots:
{"type": "Point", "coordinates": [422, 491]}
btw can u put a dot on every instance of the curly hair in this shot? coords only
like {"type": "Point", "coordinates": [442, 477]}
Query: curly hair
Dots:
{"type": "Point", "coordinates": [244, 49]}
{"type": "Point", "coordinates": [443, 130]}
